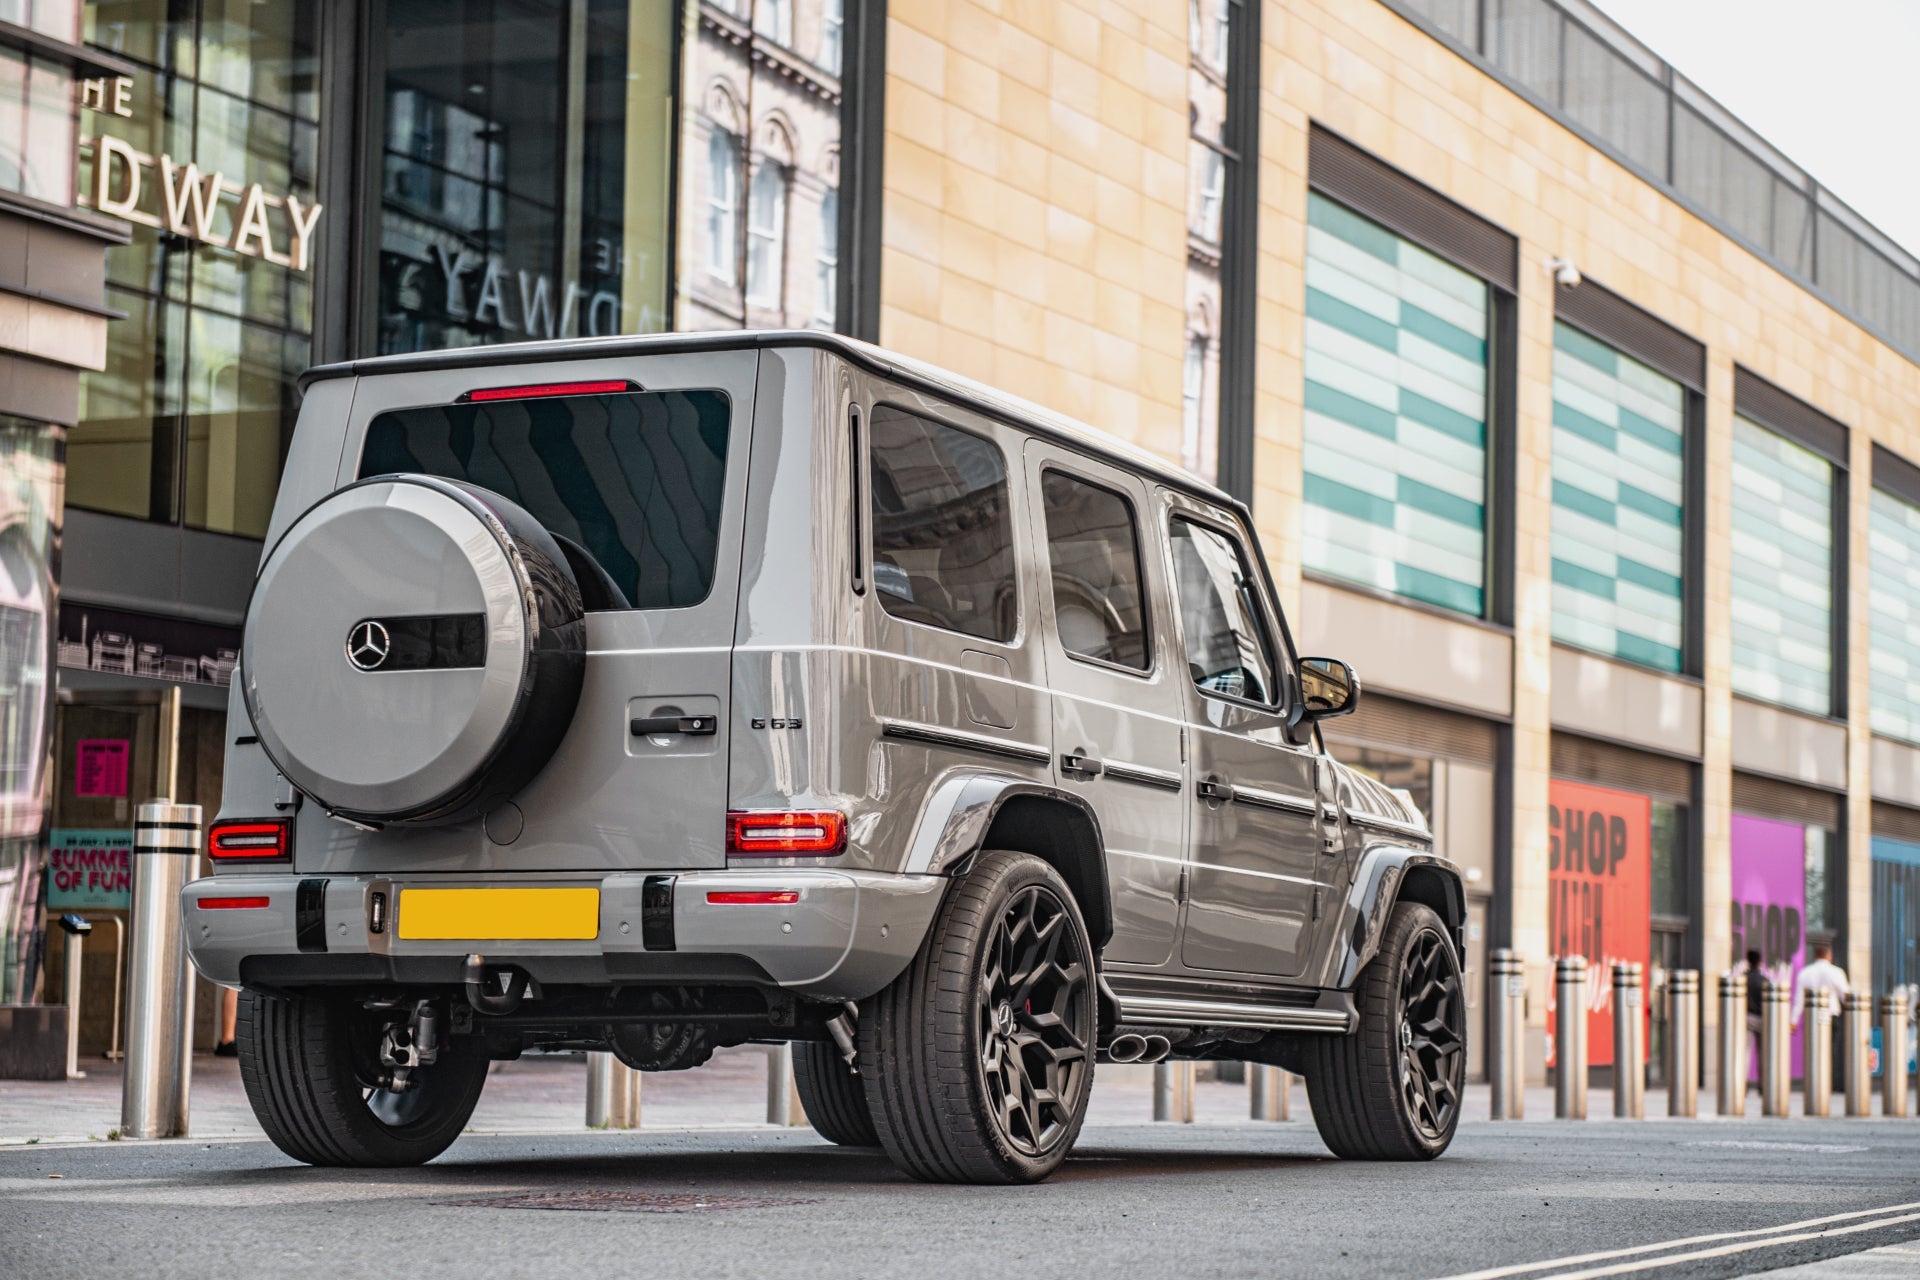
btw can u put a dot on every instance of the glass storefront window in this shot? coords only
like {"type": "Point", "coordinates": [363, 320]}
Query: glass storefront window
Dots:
{"type": "Point", "coordinates": [1782, 570]}
{"type": "Point", "coordinates": [1821, 914]}
{"type": "Point", "coordinates": [525, 170]}
{"type": "Point", "coordinates": [36, 127]}
{"type": "Point", "coordinates": [760, 214]}
{"type": "Point", "coordinates": [189, 420]}
{"type": "Point", "coordinates": [1669, 849]}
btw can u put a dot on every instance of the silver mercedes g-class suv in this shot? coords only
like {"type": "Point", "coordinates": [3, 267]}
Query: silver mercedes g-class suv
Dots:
{"type": "Point", "coordinates": [660, 694]}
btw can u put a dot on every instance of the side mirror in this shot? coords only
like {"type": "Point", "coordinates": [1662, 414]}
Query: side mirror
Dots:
{"type": "Point", "coordinates": [1328, 688]}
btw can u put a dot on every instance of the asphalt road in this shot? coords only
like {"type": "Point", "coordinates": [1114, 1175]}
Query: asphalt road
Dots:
{"type": "Point", "coordinates": [1135, 1201]}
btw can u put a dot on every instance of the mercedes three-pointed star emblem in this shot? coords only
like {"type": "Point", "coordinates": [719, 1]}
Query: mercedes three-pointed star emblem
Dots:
{"type": "Point", "coordinates": [368, 645]}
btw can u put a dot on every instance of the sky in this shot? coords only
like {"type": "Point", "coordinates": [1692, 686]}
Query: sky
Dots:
{"type": "Point", "coordinates": [1833, 84]}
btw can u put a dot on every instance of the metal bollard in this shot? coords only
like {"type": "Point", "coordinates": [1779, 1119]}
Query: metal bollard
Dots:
{"type": "Point", "coordinates": [76, 928]}
{"type": "Point", "coordinates": [1570, 1039]}
{"type": "Point", "coordinates": [783, 1096]}
{"type": "Point", "coordinates": [1683, 1043]}
{"type": "Point", "coordinates": [1776, 1049]}
{"type": "Point", "coordinates": [613, 1093]}
{"type": "Point", "coordinates": [1269, 1092]}
{"type": "Point", "coordinates": [1507, 1024]}
{"type": "Point", "coordinates": [1816, 1072]}
{"type": "Point", "coordinates": [1173, 1092]}
{"type": "Point", "coordinates": [1856, 1036]}
{"type": "Point", "coordinates": [153, 1097]}
{"type": "Point", "coordinates": [1893, 1055]}
{"type": "Point", "coordinates": [1731, 1081]}
{"type": "Point", "coordinates": [1629, 1043]}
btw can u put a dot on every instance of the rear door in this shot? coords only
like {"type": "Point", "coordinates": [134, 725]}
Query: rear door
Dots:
{"type": "Point", "coordinates": [646, 478]}
{"type": "Point", "coordinates": [1113, 667]}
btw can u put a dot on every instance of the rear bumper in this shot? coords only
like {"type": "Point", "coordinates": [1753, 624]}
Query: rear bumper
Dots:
{"type": "Point", "coordinates": [848, 934]}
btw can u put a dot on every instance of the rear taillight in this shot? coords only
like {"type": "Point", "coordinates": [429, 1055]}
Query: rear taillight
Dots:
{"type": "Point", "coordinates": [545, 390]}
{"type": "Point", "coordinates": [256, 840]}
{"type": "Point", "coordinates": [786, 833]}
{"type": "Point", "coordinates": [232, 904]}
{"type": "Point", "coordinates": [752, 897]}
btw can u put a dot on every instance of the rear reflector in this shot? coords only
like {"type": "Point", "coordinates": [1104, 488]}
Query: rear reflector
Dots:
{"type": "Point", "coordinates": [786, 834]}
{"type": "Point", "coordinates": [257, 840]}
{"type": "Point", "coordinates": [232, 904]}
{"type": "Point", "coordinates": [540, 391]}
{"type": "Point", "coordinates": [752, 897]}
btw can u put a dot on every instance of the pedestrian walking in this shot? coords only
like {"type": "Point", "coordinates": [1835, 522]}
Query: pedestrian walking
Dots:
{"type": "Point", "coordinates": [1756, 1002]}
{"type": "Point", "coordinates": [1821, 974]}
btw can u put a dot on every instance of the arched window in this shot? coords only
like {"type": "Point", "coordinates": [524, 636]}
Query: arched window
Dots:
{"type": "Point", "coordinates": [723, 204]}
{"type": "Point", "coordinates": [766, 236]}
{"type": "Point", "coordinates": [826, 259]}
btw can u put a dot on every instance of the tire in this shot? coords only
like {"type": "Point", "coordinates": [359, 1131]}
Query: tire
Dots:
{"type": "Point", "coordinates": [298, 1058]}
{"type": "Point", "coordinates": [946, 1055]}
{"type": "Point", "coordinates": [834, 1097]}
{"type": "Point", "coordinates": [1392, 1089]}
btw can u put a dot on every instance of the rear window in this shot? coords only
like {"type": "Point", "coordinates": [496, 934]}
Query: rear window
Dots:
{"type": "Point", "coordinates": [631, 482]}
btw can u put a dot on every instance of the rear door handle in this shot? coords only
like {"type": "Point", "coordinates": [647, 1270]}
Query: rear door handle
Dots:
{"type": "Point", "coordinates": [693, 726]}
{"type": "Point", "coordinates": [1214, 789]}
{"type": "Point", "coordinates": [1086, 766]}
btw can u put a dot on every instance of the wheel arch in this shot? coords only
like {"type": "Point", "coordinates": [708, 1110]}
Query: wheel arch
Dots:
{"type": "Point", "coordinates": [1386, 875]}
{"type": "Point", "coordinates": [973, 811]}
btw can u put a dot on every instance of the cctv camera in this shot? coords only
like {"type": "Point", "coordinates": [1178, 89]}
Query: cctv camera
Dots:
{"type": "Point", "coordinates": [1565, 273]}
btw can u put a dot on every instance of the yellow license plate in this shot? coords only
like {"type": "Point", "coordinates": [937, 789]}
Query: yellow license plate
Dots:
{"type": "Point", "coordinates": [483, 915]}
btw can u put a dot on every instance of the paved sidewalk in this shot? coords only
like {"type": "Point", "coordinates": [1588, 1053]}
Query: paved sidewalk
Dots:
{"type": "Point", "coordinates": [547, 1094]}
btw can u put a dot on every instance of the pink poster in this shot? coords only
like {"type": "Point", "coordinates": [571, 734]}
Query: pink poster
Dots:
{"type": "Point", "coordinates": [100, 767]}
{"type": "Point", "coordinates": [1770, 903]}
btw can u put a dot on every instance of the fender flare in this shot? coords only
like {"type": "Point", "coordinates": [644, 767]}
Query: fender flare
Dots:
{"type": "Point", "coordinates": [960, 811]}
{"type": "Point", "coordinates": [1377, 885]}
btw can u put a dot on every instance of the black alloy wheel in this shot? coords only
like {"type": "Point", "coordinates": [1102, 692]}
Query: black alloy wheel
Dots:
{"type": "Point", "coordinates": [978, 1059]}
{"type": "Point", "coordinates": [1391, 1089]}
{"type": "Point", "coordinates": [1432, 1038]}
{"type": "Point", "coordinates": [1031, 1013]}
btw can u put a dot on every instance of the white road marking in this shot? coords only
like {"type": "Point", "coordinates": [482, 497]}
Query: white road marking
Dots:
{"type": "Point", "coordinates": [1523, 1268]}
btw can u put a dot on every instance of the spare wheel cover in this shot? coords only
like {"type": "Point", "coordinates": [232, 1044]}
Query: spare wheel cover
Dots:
{"type": "Point", "coordinates": [414, 650]}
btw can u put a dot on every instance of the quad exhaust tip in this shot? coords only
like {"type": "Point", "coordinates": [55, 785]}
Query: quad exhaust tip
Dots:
{"type": "Point", "coordinates": [1131, 1047]}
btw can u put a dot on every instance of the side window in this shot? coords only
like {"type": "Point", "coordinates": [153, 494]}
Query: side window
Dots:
{"type": "Point", "coordinates": [942, 527]}
{"type": "Point", "coordinates": [1228, 650]}
{"type": "Point", "coordinates": [1094, 552]}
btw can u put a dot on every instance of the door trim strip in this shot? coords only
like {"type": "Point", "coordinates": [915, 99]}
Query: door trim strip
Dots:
{"type": "Point", "coordinates": [1389, 826]}
{"type": "Point", "coordinates": [1261, 799]}
{"type": "Point", "coordinates": [1141, 775]}
{"type": "Point", "coordinates": [941, 736]}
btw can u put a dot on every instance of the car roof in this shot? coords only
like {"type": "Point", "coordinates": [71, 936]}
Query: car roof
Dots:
{"type": "Point", "coordinates": [888, 364]}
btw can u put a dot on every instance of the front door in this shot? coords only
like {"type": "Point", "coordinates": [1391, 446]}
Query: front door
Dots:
{"type": "Point", "coordinates": [1255, 850]}
{"type": "Point", "coordinates": [1117, 679]}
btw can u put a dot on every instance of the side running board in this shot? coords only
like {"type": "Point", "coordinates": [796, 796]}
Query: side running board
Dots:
{"type": "Point", "coordinates": [1334, 1013]}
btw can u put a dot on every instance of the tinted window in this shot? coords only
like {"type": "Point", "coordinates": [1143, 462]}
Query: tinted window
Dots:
{"type": "Point", "coordinates": [1227, 647]}
{"type": "Point", "coordinates": [942, 529]}
{"type": "Point", "coordinates": [1095, 557]}
{"type": "Point", "coordinates": [633, 482]}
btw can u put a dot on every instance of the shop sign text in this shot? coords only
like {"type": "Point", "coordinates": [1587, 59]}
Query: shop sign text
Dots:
{"type": "Point", "coordinates": [89, 869]}
{"type": "Point", "coordinates": [1599, 893]}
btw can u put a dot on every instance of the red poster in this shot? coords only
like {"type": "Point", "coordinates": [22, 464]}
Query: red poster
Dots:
{"type": "Point", "coordinates": [1599, 894]}
{"type": "Point", "coordinates": [101, 767]}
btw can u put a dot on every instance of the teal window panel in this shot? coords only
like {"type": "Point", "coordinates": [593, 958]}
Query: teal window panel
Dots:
{"type": "Point", "coordinates": [1894, 617]}
{"type": "Point", "coordinates": [1619, 490]}
{"type": "Point", "coordinates": [1349, 409]}
{"type": "Point", "coordinates": [1396, 413]}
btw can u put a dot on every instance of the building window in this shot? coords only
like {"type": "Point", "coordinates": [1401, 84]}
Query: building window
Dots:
{"type": "Point", "coordinates": [1894, 634]}
{"type": "Point", "coordinates": [833, 23]}
{"type": "Point", "coordinates": [1222, 29]}
{"type": "Point", "coordinates": [774, 20]}
{"type": "Point", "coordinates": [1782, 571]}
{"type": "Point", "coordinates": [826, 259]}
{"type": "Point", "coordinates": [1619, 485]}
{"type": "Point", "coordinates": [723, 205]}
{"type": "Point", "coordinates": [1213, 189]}
{"type": "Point", "coordinates": [36, 127]}
{"type": "Point", "coordinates": [1396, 414]}
{"type": "Point", "coordinates": [1193, 397]}
{"type": "Point", "coordinates": [766, 236]}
